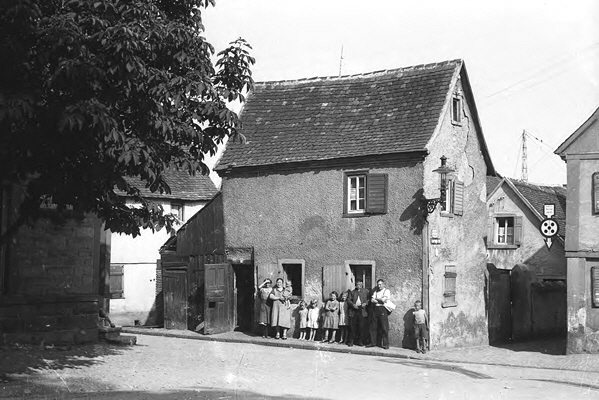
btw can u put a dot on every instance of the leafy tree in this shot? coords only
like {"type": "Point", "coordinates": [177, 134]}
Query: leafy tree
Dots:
{"type": "Point", "coordinates": [95, 95]}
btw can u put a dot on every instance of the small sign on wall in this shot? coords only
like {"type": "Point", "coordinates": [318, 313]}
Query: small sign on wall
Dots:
{"type": "Point", "coordinates": [595, 192]}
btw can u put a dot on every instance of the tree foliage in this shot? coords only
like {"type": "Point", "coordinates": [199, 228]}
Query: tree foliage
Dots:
{"type": "Point", "coordinates": [94, 93]}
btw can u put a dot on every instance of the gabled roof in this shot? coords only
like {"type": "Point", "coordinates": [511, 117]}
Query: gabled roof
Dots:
{"type": "Point", "coordinates": [183, 187]}
{"type": "Point", "coordinates": [535, 196]}
{"type": "Point", "coordinates": [493, 182]}
{"type": "Point", "coordinates": [383, 112]}
{"type": "Point", "coordinates": [562, 149]}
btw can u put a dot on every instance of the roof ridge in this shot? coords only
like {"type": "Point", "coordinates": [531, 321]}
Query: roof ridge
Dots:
{"type": "Point", "coordinates": [456, 61]}
{"type": "Point", "coordinates": [538, 185]}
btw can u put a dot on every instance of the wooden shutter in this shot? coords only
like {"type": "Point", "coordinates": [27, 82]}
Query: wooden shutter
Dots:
{"type": "Point", "coordinates": [518, 231]}
{"type": "Point", "coordinates": [116, 282]}
{"type": "Point", "coordinates": [376, 193]}
{"type": "Point", "coordinates": [595, 285]}
{"type": "Point", "coordinates": [458, 198]}
{"type": "Point", "coordinates": [335, 277]}
{"type": "Point", "coordinates": [491, 232]}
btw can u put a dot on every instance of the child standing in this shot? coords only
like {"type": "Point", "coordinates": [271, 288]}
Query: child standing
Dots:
{"type": "Point", "coordinates": [343, 318]}
{"type": "Point", "coordinates": [420, 327]}
{"type": "Point", "coordinates": [303, 317]}
{"type": "Point", "coordinates": [331, 318]}
{"type": "Point", "coordinates": [313, 314]}
{"type": "Point", "coordinates": [287, 293]}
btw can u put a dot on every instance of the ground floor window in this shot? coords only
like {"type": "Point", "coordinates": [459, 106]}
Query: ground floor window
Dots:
{"type": "Point", "coordinates": [292, 270]}
{"type": "Point", "coordinates": [363, 270]}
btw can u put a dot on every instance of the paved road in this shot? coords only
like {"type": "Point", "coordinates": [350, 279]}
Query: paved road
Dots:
{"type": "Point", "coordinates": [172, 368]}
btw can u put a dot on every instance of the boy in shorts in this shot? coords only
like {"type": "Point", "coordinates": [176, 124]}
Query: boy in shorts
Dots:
{"type": "Point", "coordinates": [420, 327]}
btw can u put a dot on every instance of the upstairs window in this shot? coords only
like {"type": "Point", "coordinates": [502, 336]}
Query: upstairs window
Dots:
{"type": "Point", "coordinates": [456, 110]}
{"type": "Point", "coordinates": [177, 211]}
{"type": "Point", "coordinates": [454, 198]}
{"type": "Point", "coordinates": [505, 231]}
{"type": "Point", "coordinates": [364, 193]}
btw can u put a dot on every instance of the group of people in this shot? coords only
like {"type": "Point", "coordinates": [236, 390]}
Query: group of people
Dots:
{"type": "Point", "coordinates": [360, 315]}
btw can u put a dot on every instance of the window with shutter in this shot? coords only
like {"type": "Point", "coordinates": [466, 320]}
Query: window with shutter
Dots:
{"type": "Point", "coordinates": [116, 282]}
{"type": "Point", "coordinates": [505, 232]}
{"type": "Point", "coordinates": [293, 270]}
{"type": "Point", "coordinates": [449, 286]}
{"type": "Point", "coordinates": [458, 198]}
{"type": "Point", "coordinates": [364, 193]}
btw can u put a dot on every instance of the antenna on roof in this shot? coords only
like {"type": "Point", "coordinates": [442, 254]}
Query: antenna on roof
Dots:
{"type": "Point", "coordinates": [524, 158]}
{"type": "Point", "coordinates": [341, 60]}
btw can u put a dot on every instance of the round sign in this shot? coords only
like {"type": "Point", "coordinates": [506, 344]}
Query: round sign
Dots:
{"type": "Point", "coordinates": [549, 227]}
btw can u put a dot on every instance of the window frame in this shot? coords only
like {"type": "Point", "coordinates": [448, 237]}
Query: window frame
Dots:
{"type": "Point", "coordinates": [454, 193]}
{"type": "Point", "coordinates": [362, 263]}
{"type": "Point", "coordinates": [357, 200]}
{"type": "Point", "coordinates": [181, 214]}
{"type": "Point", "coordinates": [376, 193]}
{"type": "Point", "coordinates": [456, 102]}
{"type": "Point", "coordinates": [450, 296]}
{"type": "Point", "coordinates": [283, 274]}
{"type": "Point", "coordinates": [493, 232]}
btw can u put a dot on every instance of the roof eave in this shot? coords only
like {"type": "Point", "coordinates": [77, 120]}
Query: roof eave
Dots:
{"type": "Point", "coordinates": [562, 149]}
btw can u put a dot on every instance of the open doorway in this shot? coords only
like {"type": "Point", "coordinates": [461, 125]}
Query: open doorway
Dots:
{"type": "Point", "coordinates": [244, 296]}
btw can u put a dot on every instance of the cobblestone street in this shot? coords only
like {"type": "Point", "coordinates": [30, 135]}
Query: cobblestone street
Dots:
{"type": "Point", "coordinates": [176, 368]}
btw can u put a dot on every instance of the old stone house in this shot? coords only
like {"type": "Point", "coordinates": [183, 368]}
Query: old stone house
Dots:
{"type": "Point", "coordinates": [332, 184]}
{"type": "Point", "coordinates": [50, 286]}
{"type": "Point", "coordinates": [527, 272]}
{"type": "Point", "coordinates": [135, 274]}
{"type": "Point", "coordinates": [581, 153]}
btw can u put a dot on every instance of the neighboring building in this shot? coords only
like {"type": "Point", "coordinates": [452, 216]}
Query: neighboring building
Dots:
{"type": "Point", "coordinates": [50, 288]}
{"type": "Point", "coordinates": [331, 184]}
{"type": "Point", "coordinates": [135, 277]}
{"type": "Point", "coordinates": [527, 273]}
{"type": "Point", "coordinates": [581, 153]}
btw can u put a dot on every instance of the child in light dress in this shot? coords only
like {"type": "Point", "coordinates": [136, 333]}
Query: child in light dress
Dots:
{"type": "Point", "coordinates": [313, 314]}
{"type": "Point", "coordinates": [303, 317]}
{"type": "Point", "coordinates": [331, 318]}
{"type": "Point", "coordinates": [343, 318]}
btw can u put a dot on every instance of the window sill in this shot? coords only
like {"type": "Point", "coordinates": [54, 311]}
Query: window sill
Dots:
{"type": "Point", "coordinates": [503, 246]}
{"type": "Point", "coordinates": [355, 215]}
{"type": "Point", "coordinates": [446, 214]}
{"type": "Point", "coordinates": [447, 304]}
{"type": "Point", "coordinates": [456, 123]}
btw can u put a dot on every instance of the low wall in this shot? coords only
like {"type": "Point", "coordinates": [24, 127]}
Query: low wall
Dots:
{"type": "Point", "coordinates": [49, 319]}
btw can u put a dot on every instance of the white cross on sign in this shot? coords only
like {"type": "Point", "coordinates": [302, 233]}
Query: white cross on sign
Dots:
{"type": "Point", "coordinates": [549, 210]}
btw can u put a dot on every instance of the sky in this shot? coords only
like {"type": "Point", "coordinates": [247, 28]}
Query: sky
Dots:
{"type": "Point", "coordinates": [533, 65]}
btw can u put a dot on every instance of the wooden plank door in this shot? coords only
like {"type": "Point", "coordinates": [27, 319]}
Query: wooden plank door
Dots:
{"type": "Point", "coordinates": [220, 298]}
{"type": "Point", "coordinates": [500, 306]}
{"type": "Point", "coordinates": [174, 287]}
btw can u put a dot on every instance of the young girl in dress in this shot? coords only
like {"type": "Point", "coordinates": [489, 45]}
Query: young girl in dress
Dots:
{"type": "Point", "coordinates": [313, 314]}
{"type": "Point", "coordinates": [331, 318]}
{"type": "Point", "coordinates": [303, 317]}
{"type": "Point", "coordinates": [343, 318]}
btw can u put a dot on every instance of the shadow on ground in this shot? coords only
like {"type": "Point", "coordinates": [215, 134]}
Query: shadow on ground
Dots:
{"type": "Point", "coordinates": [183, 394]}
{"type": "Point", "coordinates": [438, 366]}
{"type": "Point", "coordinates": [550, 346]}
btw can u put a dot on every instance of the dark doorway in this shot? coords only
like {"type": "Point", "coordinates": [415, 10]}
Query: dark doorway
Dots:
{"type": "Point", "coordinates": [244, 296]}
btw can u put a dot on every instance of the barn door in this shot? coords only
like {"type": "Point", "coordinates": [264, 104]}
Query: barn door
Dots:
{"type": "Point", "coordinates": [335, 277]}
{"type": "Point", "coordinates": [220, 298]}
{"type": "Point", "coordinates": [174, 287]}
{"type": "Point", "coordinates": [500, 306]}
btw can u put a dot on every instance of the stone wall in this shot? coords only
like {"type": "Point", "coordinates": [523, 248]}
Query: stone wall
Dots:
{"type": "Point", "coordinates": [52, 280]}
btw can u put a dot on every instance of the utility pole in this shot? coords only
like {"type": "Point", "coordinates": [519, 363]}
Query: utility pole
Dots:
{"type": "Point", "coordinates": [341, 60]}
{"type": "Point", "coordinates": [524, 158]}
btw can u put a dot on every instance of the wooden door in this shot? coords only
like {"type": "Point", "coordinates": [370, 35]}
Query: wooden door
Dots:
{"type": "Point", "coordinates": [219, 304]}
{"type": "Point", "coordinates": [174, 288]}
{"type": "Point", "coordinates": [337, 278]}
{"type": "Point", "coordinates": [500, 306]}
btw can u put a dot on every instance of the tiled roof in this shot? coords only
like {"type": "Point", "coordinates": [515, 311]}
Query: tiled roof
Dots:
{"type": "Point", "coordinates": [384, 112]}
{"type": "Point", "coordinates": [538, 195]}
{"type": "Point", "coordinates": [183, 187]}
{"type": "Point", "coordinates": [492, 183]}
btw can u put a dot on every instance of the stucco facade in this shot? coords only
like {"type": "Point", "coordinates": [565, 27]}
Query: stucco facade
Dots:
{"type": "Point", "coordinates": [300, 216]}
{"type": "Point", "coordinates": [462, 237]}
{"type": "Point", "coordinates": [581, 153]}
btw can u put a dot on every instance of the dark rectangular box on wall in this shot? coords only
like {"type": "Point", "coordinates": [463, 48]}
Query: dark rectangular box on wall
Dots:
{"type": "Point", "coordinates": [595, 192]}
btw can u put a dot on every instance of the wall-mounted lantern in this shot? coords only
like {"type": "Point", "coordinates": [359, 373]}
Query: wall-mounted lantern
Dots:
{"type": "Point", "coordinates": [443, 171]}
